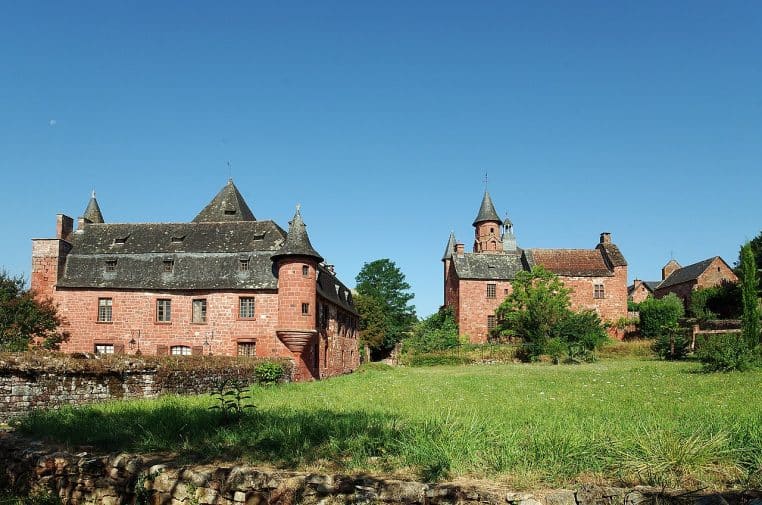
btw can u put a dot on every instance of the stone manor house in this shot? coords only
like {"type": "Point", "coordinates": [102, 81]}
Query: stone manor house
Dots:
{"type": "Point", "coordinates": [224, 284]}
{"type": "Point", "coordinates": [476, 283]}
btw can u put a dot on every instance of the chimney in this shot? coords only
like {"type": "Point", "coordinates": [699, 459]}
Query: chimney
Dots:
{"type": "Point", "coordinates": [82, 222]}
{"type": "Point", "coordinates": [460, 249]}
{"type": "Point", "coordinates": [605, 237]}
{"type": "Point", "coordinates": [64, 226]}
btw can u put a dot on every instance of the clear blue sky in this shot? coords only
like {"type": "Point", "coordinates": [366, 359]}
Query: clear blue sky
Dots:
{"type": "Point", "coordinates": [639, 118]}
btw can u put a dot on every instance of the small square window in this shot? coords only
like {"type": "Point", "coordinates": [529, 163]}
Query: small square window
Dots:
{"type": "Point", "coordinates": [305, 309]}
{"type": "Point", "coordinates": [180, 350]}
{"type": "Point", "coordinates": [104, 310]}
{"type": "Point", "coordinates": [104, 348]}
{"type": "Point", "coordinates": [491, 290]}
{"type": "Point", "coordinates": [169, 266]}
{"type": "Point", "coordinates": [111, 265]}
{"type": "Point", "coordinates": [246, 307]}
{"type": "Point", "coordinates": [199, 311]}
{"type": "Point", "coordinates": [305, 270]}
{"type": "Point", "coordinates": [243, 265]}
{"type": "Point", "coordinates": [598, 291]}
{"type": "Point", "coordinates": [163, 310]}
{"type": "Point", "coordinates": [491, 322]}
{"type": "Point", "coordinates": [247, 348]}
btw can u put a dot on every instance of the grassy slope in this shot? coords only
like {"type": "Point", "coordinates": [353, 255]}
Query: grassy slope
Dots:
{"type": "Point", "coordinates": [638, 420]}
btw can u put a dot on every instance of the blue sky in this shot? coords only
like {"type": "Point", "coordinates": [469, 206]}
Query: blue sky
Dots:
{"type": "Point", "coordinates": [639, 118]}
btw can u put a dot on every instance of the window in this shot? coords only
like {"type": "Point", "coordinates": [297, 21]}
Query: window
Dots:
{"type": "Point", "coordinates": [247, 348]}
{"type": "Point", "coordinates": [199, 311]}
{"type": "Point", "coordinates": [104, 348]}
{"type": "Point", "coordinates": [111, 265]}
{"type": "Point", "coordinates": [163, 311]}
{"type": "Point", "coordinates": [305, 270]}
{"type": "Point", "coordinates": [305, 309]}
{"type": "Point", "coordinates": [169, 266]}
{"type": "Point", "coordinates": [598, 291]}
{"type": "Point", "coordinates": [246, 308]}
{"type": "Point", "coordinates": [229, 212]}
{"type": "Point", "coordinates": [104, 310]}
{"type": "Point", "coordinates": [505, 291]}
{"type": "Point", "coordinates": [491, 322]}
{"type": "Point", "coordinates": [243, 265]}
{"type": "Point", "coordinates": [121, 240]}
{"type": "Point", "coordinates": [491, 290]}
{"type": "Point", "coordinates": [180, 350]}
{"type": "Point", "coordinates": [177, 240]}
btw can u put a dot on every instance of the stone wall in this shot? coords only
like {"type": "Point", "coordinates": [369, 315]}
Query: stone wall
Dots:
{"type": "Point", "coordinates": [126, 478]}
{"type": "Point", "coordinates": [48, 381]}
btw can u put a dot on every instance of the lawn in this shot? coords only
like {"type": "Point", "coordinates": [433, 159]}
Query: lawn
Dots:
{"type": "Point", "coordinates": [626, 420]}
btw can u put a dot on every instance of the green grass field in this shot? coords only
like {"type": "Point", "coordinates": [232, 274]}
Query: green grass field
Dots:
{"type": "Point", "coordinates": [529, 425]}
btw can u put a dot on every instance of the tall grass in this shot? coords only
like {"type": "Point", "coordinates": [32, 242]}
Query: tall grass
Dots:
{"type": "Point", "coordinates": [632, 421]}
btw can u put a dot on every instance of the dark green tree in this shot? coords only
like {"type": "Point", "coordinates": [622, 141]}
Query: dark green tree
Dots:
{"type": "Point", "coordinates": [25, 321]}
{"type": "Point", "coordinates": [372, 320]}
{"type": "Point", "coordinates": [756, 248]}
{"type": "Point", "coordinates": [383, 281]}
{"type": "Point", "coordinates": [656, 314]}
{"type": "Point", "coordinates": [437, 332]}
{"type": "Point", "coordinates": [749, 298]}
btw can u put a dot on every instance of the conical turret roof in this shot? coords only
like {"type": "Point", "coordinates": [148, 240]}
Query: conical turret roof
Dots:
{"type": "Point", "coordinates": [297, 242]}
{"type": "Point", "coordinates": [487, 211]}
{"type": "Point", "coordinates": [93, 211]}
{"type": "Point", "coordinates": [227, 206]}
{"type": "Point", "coordinates": [450, 248]}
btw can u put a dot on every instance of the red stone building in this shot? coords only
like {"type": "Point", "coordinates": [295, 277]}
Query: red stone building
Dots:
{"type": "Point", "coordinates": [640, 290]}
{"type": "Point", "coordinates": [225, 284]}
{"type": "Point", "coordinates": [682, 281]}
{"type": "Point", "coordinates": [476, 283]}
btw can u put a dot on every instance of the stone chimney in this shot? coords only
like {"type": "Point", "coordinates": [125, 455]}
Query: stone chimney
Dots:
{"type": "Point", "coordinates": [64, 226]}
{"type": "Point", "coordinates": [460, 249]}
{"type": "Point", "coordinates": [82, 222]}
{"type": "Point", "coordinates": [605, 237]}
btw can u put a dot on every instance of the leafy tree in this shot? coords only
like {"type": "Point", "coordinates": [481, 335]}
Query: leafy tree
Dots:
{"type": "Point", "coordinates": [25, 321]}
{"type": "Point", "coordinates": [437, 332]}
{"type": "Point", "coordinates": [672, 342]}
{"type": "Point", "coordinates": [538, 310]}
{"type": "Point", "coordinates": [659, 313]}
{"type": "Point", "coordinates": [372, 320]}
{"type": "Point", "coordinates": [383, 281]}
{"type": "Point", "coordinates": [722, 301]}
{"type": "Point", "coordinates": [750, 301]}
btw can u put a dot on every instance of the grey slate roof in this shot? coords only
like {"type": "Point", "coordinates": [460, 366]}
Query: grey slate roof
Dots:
{"type": "Point", "coordinates": [489, 266]}
{"type": "Point", "coordinates": [650, 286]}
{"type": "Point", "coordinates": [332, 289]}
{"type": "Point", "coordinates": [487, 210]}
{"type": "Point", "coordinates": [205, 255]}
{"type": "Point", "coordinates": [298, 242]}
{"type": "Point", "coordinates": [227, 205]}
{"type": "Point", "coordinates": [93, 211]}
{"type": "Point", "coordinates": [450, 247]}
{"type": "Point", "coordinates": [613, 254]}
{"type": "Point", "coordinates": [688, 273]}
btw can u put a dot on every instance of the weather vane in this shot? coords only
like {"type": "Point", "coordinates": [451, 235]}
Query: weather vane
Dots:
{"type": "Point", "coordinates": [230, 170]}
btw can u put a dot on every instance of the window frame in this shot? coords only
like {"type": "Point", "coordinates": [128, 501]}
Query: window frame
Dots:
{"type": "Point", "coordinates": [203, 305]}
{"type": "Point", "coordinates": [169, 266]}
{"type": "Point", "coordinates": [599, 291]}
{"type": "Point", "coordinates": [247, 315]}
{"type": "Point", "coordinates": [104, 349]}
{"type": "Point", "coordinates": [252, 345]}
{"type": "Point", "coordinates": [183, 350]}
{"type": "Point", "coordinates": [243, 264]}
{"type": "Point", "coordinates": [163, 310]}
{"type": "Point", "coordinates": [110, 265]}
{"type": "Point", "coordinates": [305, 271]}
{"type": "Point", "coordinates": [491, 290]}
{"type": "Point", "coordinates": [101, 317]}
{"type": "Point", "coordinates": [491, 322]}
{"type": "Point", "coordinates": [305, 309]}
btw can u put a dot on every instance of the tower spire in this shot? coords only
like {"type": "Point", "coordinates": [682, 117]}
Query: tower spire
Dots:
{"type": "Point", "coordinates": [93, 210]}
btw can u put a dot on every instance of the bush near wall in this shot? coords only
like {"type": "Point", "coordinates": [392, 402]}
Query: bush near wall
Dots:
{"type": "Point", "coordinates": [657, 314]}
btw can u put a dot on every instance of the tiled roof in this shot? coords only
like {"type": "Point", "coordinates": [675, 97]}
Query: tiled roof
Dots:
{"type": "Point", "coordinates": [688, 273]}
{"type": "Point", "coordinates": [614, 255]}
{"type": "Point", "coordinates": [489, 266]}
{"type": "Point", "coordinates": [570, 262]}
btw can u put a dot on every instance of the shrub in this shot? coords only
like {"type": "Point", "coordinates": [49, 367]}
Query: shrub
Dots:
{"type": "Point", "coordinates": [656, 314]}
{"type": "Point", "coordinates": [269, 372]}
{"type": "Point", "coordinates": [672, 342]}
{"type": "Point", "coordinates": [724, 352]}
{"type": "Point", "coordinates": [717, 301]}
{"type": "Point", "coordinates": [437, 332]}
{"type": "Point", "coordinates": [556, 349]}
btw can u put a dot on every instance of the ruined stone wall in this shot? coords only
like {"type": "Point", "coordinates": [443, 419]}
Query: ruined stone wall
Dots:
{"type": "Point", "coordinates": [126, 478]}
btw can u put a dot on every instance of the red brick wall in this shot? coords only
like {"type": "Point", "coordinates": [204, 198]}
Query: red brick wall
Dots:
{"type": "Point", "coordinates": [614, 303]}
{"type": "Point", "coordinates": [294, 289]}
{"type": "Point", "coordinates": [338, 349]}
{"type": "Point", "coordinates": [639, 293]}
{"type": "Point", "coordinates": [474, 307]}
{"type": "Point", "coordinates": [487, 237]}
{"type": "Point", "coordinates": [717, 273]}
{"type": "Point", "coordinates": [48, 257]}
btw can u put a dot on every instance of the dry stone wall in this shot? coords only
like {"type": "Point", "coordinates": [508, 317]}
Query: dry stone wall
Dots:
{"type": "Point", "coordinates": [127, 478]}
{"type": "Point", "coordinates": [30, 382]}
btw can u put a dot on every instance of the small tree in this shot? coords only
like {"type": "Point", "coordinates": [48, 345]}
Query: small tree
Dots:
{"type": "Point", "coordinates": [749, 299]}
{"type": "Point", "coordinates": [659, 313]}
{"type": "Point", "coordinates": [25, 321]}
{"type": "Point", "coordinates": [372, 320]}
{"type": "Point", "coordinates": [437, 332]}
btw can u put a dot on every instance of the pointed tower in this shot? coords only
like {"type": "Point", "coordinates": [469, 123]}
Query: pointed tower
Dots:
{"type": "Point", "coordinates": [297, 262]}
{"type": "Point", "coordinates": [669, 268]}
{"type": "Point", "coordinates": [92, 214]}
{"type": "Point", "coordinates": [228, 205]}
{"type": "Point", "coordinates": [509, 239]}
{"type": "Point", "coordinates": [488, 224]}
{"type": "Point", "coordinates": [447, 260]}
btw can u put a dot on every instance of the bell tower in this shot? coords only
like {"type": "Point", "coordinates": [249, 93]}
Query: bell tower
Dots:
{"type": "Point", "coordinates": [488, 228]}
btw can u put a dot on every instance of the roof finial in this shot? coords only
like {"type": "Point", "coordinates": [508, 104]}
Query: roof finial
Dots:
{"type": "Point", "coordinates": [486, 179]}
{"type": "Point", "coordinates": [298, 207]}
{"type": "Point", "coordinates": [230, 171]}
{"type": "Point", "coordinates": [92, 195]}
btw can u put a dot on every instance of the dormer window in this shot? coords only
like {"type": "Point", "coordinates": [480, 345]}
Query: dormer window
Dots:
{"type": "Point", "coordinates": [243, 265]}
{"type": "Point", "coordinates": [110, 265]}
{"type": "Point", "coordinates": [169, 266]}
{"type": "Point", "coordinates": [230, 212]}
{"type": "Point", "coordinates": [121, 240]}
{"type": "Point", "coordinates": [177, 240]}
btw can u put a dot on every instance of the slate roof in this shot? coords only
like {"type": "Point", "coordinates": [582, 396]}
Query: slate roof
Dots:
{"type": "Point", "coordinates": [450, 247]}
{"type": "Point", "coordinates": [489, 266]}
{"type": "Point", "coordinates": [688, 273]}
{"type": "Point", "coordinates": [93, 211]}
{"type": "Point", "coordinates": [298, 242]}
{"type": "Point", "coordinates": [613, 254]}
{"type": "Point", "coordinates": [487, 210]}
{"type": "Point", "coordinates": [570, 262]}
{"type": "Point", "coordinates": [331, 288]}
{"type": "Point", "coordinates": [650, 286]}
{"type": "Point", "coordinates": [227, 206]}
